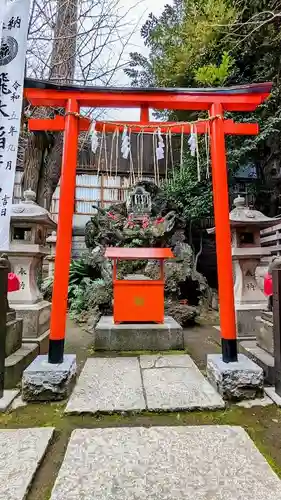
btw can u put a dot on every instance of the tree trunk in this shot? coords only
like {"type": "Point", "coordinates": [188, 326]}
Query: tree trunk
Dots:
{"type": "Point", "coordinates": [33, 160]}
{"type": "Point", "coordinates": [43, 165]}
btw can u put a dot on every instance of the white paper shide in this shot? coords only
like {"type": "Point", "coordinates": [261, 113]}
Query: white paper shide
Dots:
{"type": "Point", "coordinates": [14, 25]}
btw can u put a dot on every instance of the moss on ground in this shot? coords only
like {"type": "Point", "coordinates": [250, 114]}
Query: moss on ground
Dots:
{"type": "Point", "coordinates": [262, 424]}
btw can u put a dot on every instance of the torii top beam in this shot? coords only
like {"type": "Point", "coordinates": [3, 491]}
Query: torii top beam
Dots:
{"type": "Point", "coordinates": [240, 98]}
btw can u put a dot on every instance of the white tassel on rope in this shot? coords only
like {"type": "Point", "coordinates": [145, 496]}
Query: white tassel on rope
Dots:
{"type": "Point", "coordinates": [192, 141]}
{"type": "Point", "coordinates": [197, 155]}
{"type": "Point", "coordinates": [94, 137]}
{"type": "Point", "coordinates": [160, 147]}
{"type": "Point", "coordinates": [125, 146]}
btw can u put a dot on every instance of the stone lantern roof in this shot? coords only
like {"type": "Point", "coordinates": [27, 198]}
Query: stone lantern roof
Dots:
{"type": "Point", "coordinates": [242, 215]}
{"type": "Point", "coordinates": [29, 211]}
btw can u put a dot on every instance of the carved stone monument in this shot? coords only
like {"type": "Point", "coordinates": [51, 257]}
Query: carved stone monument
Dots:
{"type": "Point", "coordinates": [29, 226]}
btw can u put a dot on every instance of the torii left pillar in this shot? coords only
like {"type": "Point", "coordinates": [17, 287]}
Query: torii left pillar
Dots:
{"type": "Point", "coordinates": [53, 380]}
{"type": "Point", "coordinates": [64, 233]}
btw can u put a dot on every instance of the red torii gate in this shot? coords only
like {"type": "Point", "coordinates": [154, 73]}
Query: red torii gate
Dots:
{"type": "Point", "coordinates": [215, 101]}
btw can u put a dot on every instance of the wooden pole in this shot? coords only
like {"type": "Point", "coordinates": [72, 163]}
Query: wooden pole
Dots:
{"type": "Point", "coordinates": [3, 322]}
{"type": "Point", "coordinates": [223, 237]}
{"type": "Point", "coordinates": [276, 278]}
{"type": "Point", "coordinates": [64, 233]}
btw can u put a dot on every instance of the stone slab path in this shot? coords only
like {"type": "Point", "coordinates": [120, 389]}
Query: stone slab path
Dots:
{"type": "Point", "coordinates": [21, 452]}
{"type": "Point", "coordinates": [182, 463]}
{"type": "Point", "coordinates": [156, 382]}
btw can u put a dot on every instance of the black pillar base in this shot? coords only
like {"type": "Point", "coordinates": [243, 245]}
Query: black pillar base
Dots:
{"type": "Point", "coordinates": [229, 350]}
{"type": "Point", "coordinates": [56, 349]}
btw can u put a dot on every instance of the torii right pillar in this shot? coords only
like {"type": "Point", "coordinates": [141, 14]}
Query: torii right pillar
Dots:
{"type": "Point", "coordinates": [234, 376]}
{"type": "Point", "coordinates": [223, 236]}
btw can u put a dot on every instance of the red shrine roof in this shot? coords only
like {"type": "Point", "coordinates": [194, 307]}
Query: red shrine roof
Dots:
{"type": "Point", "coordinates": [138, 253]}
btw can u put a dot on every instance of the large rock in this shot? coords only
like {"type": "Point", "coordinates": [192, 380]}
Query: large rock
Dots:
{"type": "Point", "coordinates": [184, 314]}
{"type": "Point", "coordinates": [235, 381]}
{"type": "Point", "coordinates": [43, 381]}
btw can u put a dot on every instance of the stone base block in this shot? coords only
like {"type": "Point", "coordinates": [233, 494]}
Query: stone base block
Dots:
{"type": "Point", "coordinates": [42, 341]}
{"type": "Point", "coordinates": [7, 399]}
{"type": "Point", "coordinates": [265, 332]}
{"type": "Point", "coordinates": [17, 362]}
{"type": "Point", "coordinates": [247, 326]}
{"type": "Point", "coordinates": [272, 394]}
{"type": "Point", "coordinates": [261, 358]}
{"type": "Point", "coordinates": [36, 317]}
{"type": "Point", "coordinates": [235, 381]}
{"type": "Point", "coordinates": [137, 336]}
{"type": "Point", "coordinates": [43, 381]}
{"type": "Point", "coordinates": [13, 336]}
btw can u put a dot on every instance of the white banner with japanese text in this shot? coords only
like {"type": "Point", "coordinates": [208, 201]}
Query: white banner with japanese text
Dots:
{"type": "Point", "coordinates": [2, 19]}
{"type": "Point", "coordinates": [12, 65]}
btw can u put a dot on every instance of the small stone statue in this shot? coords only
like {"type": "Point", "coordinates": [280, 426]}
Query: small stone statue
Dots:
{"type": "Point", "coordinates": [139, 202]}
{"type": "Point", "coordinates": [4, 262]}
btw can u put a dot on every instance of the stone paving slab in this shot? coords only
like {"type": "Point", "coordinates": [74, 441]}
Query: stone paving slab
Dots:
{"type": "Point", "coordinates": [7, 399]}
{"type": "Point", "coordinates": [154, 382]}
{"type": "Point", "coordinates": [21, 451]}
{"type": "Point", "coordinates": [175, 383]}
{"type": "Point", "coordinates": [108, 385]}
{"type": "Point", "coordinates": [165, 463]}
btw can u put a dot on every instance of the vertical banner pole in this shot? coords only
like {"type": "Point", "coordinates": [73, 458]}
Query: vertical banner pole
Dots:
{"type": "Point", "coordinates": [223, 236]}
{"type": "Point", "coordinates": [3, 323]}
{"type": "Point", "coordinates": [14, 26]}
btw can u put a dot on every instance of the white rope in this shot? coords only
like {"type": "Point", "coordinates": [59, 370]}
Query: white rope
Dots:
{"type": "Point", "coordinates": [171, 153]}
{"type": "Point", "coordinates": [181, 153]}
{"type": "Point", "coordinates": [131, 160]}
{"type": "Point", "coordinates": [138, 155]}
{"type": "Point", "coordinates": [111, 153]}
{"type": "Point", "coordinates": [117, 151]}
{"type": "Point", "coordinates": [141, 154]}
{"type": "Point", "coordinates": [167, 156]}
{"type": "Point", "coordinates": [207, 145]}
{"type": "Point", "coordinates": [100, 150]}
{"type": "Point", "coordinates": [154, 155]}
{"type": "Point", "coordinates": [197, 155]}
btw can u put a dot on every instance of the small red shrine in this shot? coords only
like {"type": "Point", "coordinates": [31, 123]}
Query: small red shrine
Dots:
{"type": "Point", "coordinates": [138, 301]}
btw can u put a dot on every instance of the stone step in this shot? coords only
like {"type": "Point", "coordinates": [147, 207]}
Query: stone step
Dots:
{"type": "Point", "coordinates": [267, 316]}
{"type": "Point", "coordinates": [13, 336]}
{"type": "Point", "coordinates": [262, 358]}
{"type": "Point", "coordinates": [16, 363]}
{"type": "Point", "coordinates": [11, 315]}
{"type": "Point", "coordinates": [265, 335]}
{"type": "Point", "coordinates": [42, 341]}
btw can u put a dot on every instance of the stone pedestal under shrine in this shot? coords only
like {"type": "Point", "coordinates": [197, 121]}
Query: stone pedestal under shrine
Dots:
{"type": "Point", "coordinates": [29, 226]}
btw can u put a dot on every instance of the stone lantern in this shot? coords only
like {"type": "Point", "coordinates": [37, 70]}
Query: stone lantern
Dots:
{"type": "Point", "coordinates": [51, 240]}
{"type": "Point", "coordinates": [248, 266]}
{"type": "Point", "coordinates": [30, 225]}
